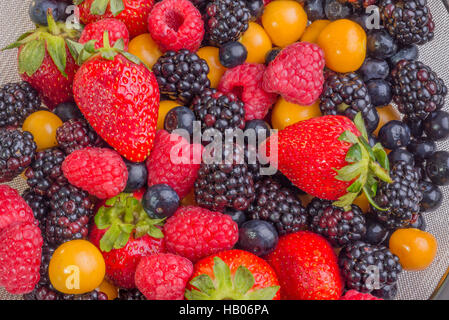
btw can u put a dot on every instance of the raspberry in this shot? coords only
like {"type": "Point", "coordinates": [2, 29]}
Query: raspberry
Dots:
{"type": "Point", "coordinates": [163, 276]}
{"type": "Point", "coordinates": [176, 25]}
{"type": "Point", "coordinates": [296, 73]}
{"type": "Point", "coordinates": [355, 295]}
{"type": "Point", "coordinates": [116, 30]}
{"type": "Point", "coordinates": [245, 81]}
{"type": "Point", "coordinates": [194, 232]}
{"type": "Point", "coordinates": [13, 208]}
{"type": "Point", "coordinates": [20, 257]}
{"type": "Point", "coordinates": [163, 169]}
{"type": "Point", "coordinates": [101, 172]}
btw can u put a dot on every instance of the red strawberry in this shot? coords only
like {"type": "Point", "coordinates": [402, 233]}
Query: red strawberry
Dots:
{"type": "Point", "coordinates": [119, 97]}
{"type": "Point", "coordinates": [133, 13]}
{"type": "Point", "coordinates": [124, 234]}
{"type": "Point", "coordinates": [233, 275]}
{"type": "Point", "coordinates": [329, 157]}
{"type": "Point", "coordinates": [45, 61]}
{"type": "Point", "coordinates": [95, 30]}
{"type": "Point", "coordinates": [306, 266]}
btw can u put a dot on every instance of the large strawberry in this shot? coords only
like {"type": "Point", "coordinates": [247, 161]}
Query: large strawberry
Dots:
{"type": "Point", "coordinates": [119, 97]}
{"type": "Point", "coordinates": [133, 13]}
{"type": "Point", "coordinates": [329, 157]}
{"type": "Point", "coordinates": [45, 61]}
{"type": "Point", "coordinates": [233, 275]}
{"type": "Point", "coordinates": [306, 266]}
{"type": "Point", "coordinates": [124, 234]}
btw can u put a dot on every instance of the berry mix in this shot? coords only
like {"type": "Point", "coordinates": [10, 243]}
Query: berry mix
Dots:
{"type": "Point", "coordinates": [108, 214]}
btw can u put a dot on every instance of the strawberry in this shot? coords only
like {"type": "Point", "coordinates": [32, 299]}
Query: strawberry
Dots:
{"type": "Point", "coordinates": [306, 266]}
{"type": "Point", "coordinates": [133, 13]}
{"type": "Point", "coordinates": [124, 234]}
{"type": "Point", "coordinates": [119, 97]}
{"type": "Point", "coordinates": [329, 157]}
{"type": "Point", "coordinates": [233, 275]}
{"type": "Point", "coordinates": [45, 61]}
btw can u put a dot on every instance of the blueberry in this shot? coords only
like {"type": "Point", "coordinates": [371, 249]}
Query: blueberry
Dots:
{"type": "Point", "coordinates": [436, 125]}
{"type": "Point", "coordinates": [38, 11]}
{"type": "Point", "coordinates": [372, 140]}
{"type": "Point", "coordinates": [364, 20]}
{"type": "Point", "coordinates": [387, 292]}
{"type": "Point", "coordinates": [160, 201]}
{"type": "Point", "coordinates": [137, 176]}
{"type": "Point", "coordinates": [380, 44]}
{"type": "Point", "coordinates": [432, 196]}
{"type": "Point", "coordinates": [408, 53]}
{"type": "Point", "coordinates": [376, 232]}
{"type": "Point", "coordinates": [68, 110]}
{"type": "Point", "coordinates": [237, 216]}
{"type": "Point", "coordinates": [371, 119]}
{"type": "Point", "coordinates": [260, 127]}
{"type": "Point", "coordinates": [374, 69]}
{"type": "Point", "coordinates": [416, 126]}
{"type": "Point", "coordinates": [401, 154]}
{"type": "Point", "coordinates": [232, 54]}
{"type": "Point", "coordinates": [437, 168]}
{"type": "Point", "coordinates": [422, 148]}
{"type": "Point", "coordinates": [271, 55]}
{"type": "Point", "coordinates": [394, 134]}
{"type": "Point", "coordinates": [380, 92]}
{"type": "Point", "coordinates": [256, 8]}
{"type": "Point", "coordinates": [419, 223]}
{"type": "Point", "coordinates": [179, 118]}
{"type": "Point", "coordinates": [258, 237]}
{"type": "Point", "coordinates": [336, 10]}
{"type": "Point", "coordinates": [314, 10]}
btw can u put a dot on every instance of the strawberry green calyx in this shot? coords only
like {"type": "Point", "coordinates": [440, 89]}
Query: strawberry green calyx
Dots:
{"type": "Point", "coordinates": [367, 165]}
{"type": "Point", "coordinates": [124, 215]}
{"type": "Point", "coordinates": [99, 7]}
{"type": "Point", "coordinates": [34, 44]}
{"type": "Point", "coordinates": [226, 287]}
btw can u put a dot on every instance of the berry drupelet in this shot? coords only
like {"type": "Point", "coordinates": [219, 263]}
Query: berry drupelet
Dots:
{"type": "Point", "coordinates": [181, 75]}
{"type": "Point", "coordinates": [279, 205]}
{"type": "Point", "coordinates": [17, 151]}
{"type": "Point", "coordinates": [77, 134]}
{"type": "Point", "coordinates": [40, 206]}
{"type": "Point", "coordinates": [132, 294]}
{"type": "Point", "coordinates": [17, 101]}
{"type": "Point", "coordinates": [340, 227]}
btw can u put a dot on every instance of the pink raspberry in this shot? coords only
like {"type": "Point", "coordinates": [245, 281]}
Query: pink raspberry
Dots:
{"type": "Point", "coordinates": [296, 73]}
{"type": "Point", "coordinates": [163, 276]}
{"type": "Point", "coordinates": [99, 171]}
{"type": "Point", "coordinates": [13, 208]}
{"type": "Point", "coordinates": [245, 81]}
{"type": "Point", "coordinates": [20, 257]}
{"type": "Point", "coordinates": [162, 167]}
{"type": "Point", "coordinates": [355, 295]}
{"type": "Point", "coordinates": [176, 25]}
{"type": "Point", "coordinates": [95, 31]}
{"type": "Point", "coordinates": [194, 232]}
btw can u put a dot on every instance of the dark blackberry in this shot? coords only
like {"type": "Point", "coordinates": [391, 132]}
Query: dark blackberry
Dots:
{"type": "Point", "coordinates": [337, 225]}
{"type": "Point", "coordinates": [181, 75]}
{"type": "Point", "coordinates": [226, 184]}
{"type": "Point", "coordinates": [45, 175]}
{"type": "Point", "coordinates": [71, 210]}
{"type": "Point", "coordinates": [39, 204]}
{"type": "Point", "coordinates": [346, 94]}
{"type": "Point", "coordinates": [336, 9]}
{"type": "Point", "coordinates": [362, 265]}
{"type": "Point", "coordinates": [408, 21]}
{"type": "Point", "coordinates": [226, 20]}
{"type": "Point", "coordinates": [43, 292]}
{"type": "Point", "coordinates": [359, 5]}
{"type": "Point", "coordinates": [219, 111]}
{"type": "Point", "coordinates": [401, 198]}
{"type": "Point", "coordinates": [17, 151]}
{"type": "Point", "coordinates": [132, 294]}
{"type": "Point", "coordinates": [77, 134]}
{"type": "Point", "coordinates": [93, 295]}
{"type": "Point", "coordinates": [388, 292]}
{"type": "Point", "coordinates": [278, 205]}
{"type": "Point", "coordinates": [17, 101]}
{"type": "Point", "coordinates": [417, 90]}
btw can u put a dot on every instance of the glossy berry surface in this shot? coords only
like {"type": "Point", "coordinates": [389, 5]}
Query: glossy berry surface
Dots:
{"type": "Point", "coordinates": [380, 92]}
{"type": "Point", "coordinates": [374, 68]}
{"type": "Point", "coordinates": [232, 54]}
{"type": "Point", "coordinates": [314, 9]}
{"type": "Point", "coordinates": [237, 216]}
{"type": "Point", "coordinates": [67, 110]}
{"type": "Point", "coordinates": [160, 201]}
{"type": "Point", "coordinates": [376, 232]}
{"type": "Point", "coordinates": [436, 125]}
{"type": "Point", "coordinates": [394, 134]}
{"type": "Point", "coordinates": [257, 43]}
{"type": "Point", "coordinates": [145, 48]}
{"type": "Point", "coordinates": [437, 168]}
{"type": "Point", "coordinates": [380, 44]}
{"type": "Point", "coordinates": [422, 148]}
{"type": "Point", "coordinates": [336, 10]}
{"type": "Point", "coordinates": [179, 118]}
{"type": "Point", "coordinates": [43, 126]}
{"type": "Point", "coordinates": [137, 176]}
{"type": "Point", "coordinates": [258, 237]}
{"type": "Point", "coordinates": [408, 53]}
{"type": "Point", "coordinates": [38, 10]}
{"type": "Point", "coordinates": [401, 154]}
{"type": "Point", "coordinates": [432, 196]}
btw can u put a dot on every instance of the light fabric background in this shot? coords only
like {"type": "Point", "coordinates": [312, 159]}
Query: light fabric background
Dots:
{"type": "Point", "coordinates": [14, 21]}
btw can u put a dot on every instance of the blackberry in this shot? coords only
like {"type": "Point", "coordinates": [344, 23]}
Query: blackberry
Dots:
{"type": "Point", "coordinates": [45, 175]}
{"type": "Point", "coordinates": [226, 20]}
{"type": "Point", "coordinates": [359, 5]}
{"type": "Point", "coordinates": [219, 111]}
{"type": "Point", "coordinates": [340, 227]}
{"type": "Point", "coordinates": [132, 294]}
{"type": "Point", "coordinates": [417, 90]}
{"type": "Point", "coordinates": [278, 205]}
{"type": "Point", "coordinates": [408, 21]}
{"type": "Point", "coordinates": [71, 210]}
{"type": "Point", "coordinates": [360, 264]}
{"type": "Point", "coordinates": [181, 75]}
{"type": "Point", "coordinates": [43, 292]}
{"type": "Point", "coordinates": [401, 198]}
{"type": "Point", "coordinates": [17, 151]}
{"type": "Point", "coordinates": [77, 134]}
{"type": "Point", "coordinates": [93, 295]}
{"type": "Point", "coordinates": [39, 204]}
{"type": "Point", "coordinates": [346, 94]}
{"type": "Point", "coordinates": [226, 184]}
{"type": "Point", "coordinates": [17, 101]}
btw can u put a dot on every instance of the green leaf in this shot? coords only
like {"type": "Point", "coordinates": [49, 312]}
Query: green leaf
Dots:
{"type": "Point", "coordinates": [57, 51]}
{"type": "Point", "coordinates": [117, 6]}
{"type": "Point", "coordinates": [77, 2]}
{"type": "Point", "coordinates": [360, 124]}
{"type": "Point", "coordinates": [75, 48]}
{"type": "Point", "coordinates": [345, 201]}
{"type": "Point", "coordinates": [371, 200]}
{"type": "Point", "coordinates": [24, 38]}
{"type": "Point", "coordinates": [354, 153]}
{"type": "Point", "coordinates": [367, 147]}
{"type": "Point", "coordinates": [99, 7]}
{"type": "Point", "coordinates": [155, 232]}
{"type": "Point", "coordinates": [203, 283]}
{"type": "Point", "coordinates": [196, 295]}
{"type": "Point", "coordinates": [109, 238]}
{"type": "Point", "coordinates": [381, 156]}
{"type": "Point", "coordinates": [349, 137]}
{"type": "Point", "coordinates": [31, 57]}
{"type": "Point", "coordinates": [131, 57]}
{"type": "Point", "coordinates": [108, 54]}
{"type": "Point", "coordinates": [119, 44]}
{"type": "Point", "coordinates": [102, 219]}
{"type": "Point", "coordinates": [350, 172]}
{"type": "Point", "coordinates": [89, 46]}
{"type": "Point", "coordinates": [356, 187]}
{"type": "Point", "coordinates": [243, 280]}
{"type": "Point", "coordinates": [222, 275]}
{"type": "Point", "coordinates": [122, 239]}
{"type": "Point", "coordinates": [263, 294]}
{"type": "Point", "coordinates": [52, 25]}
